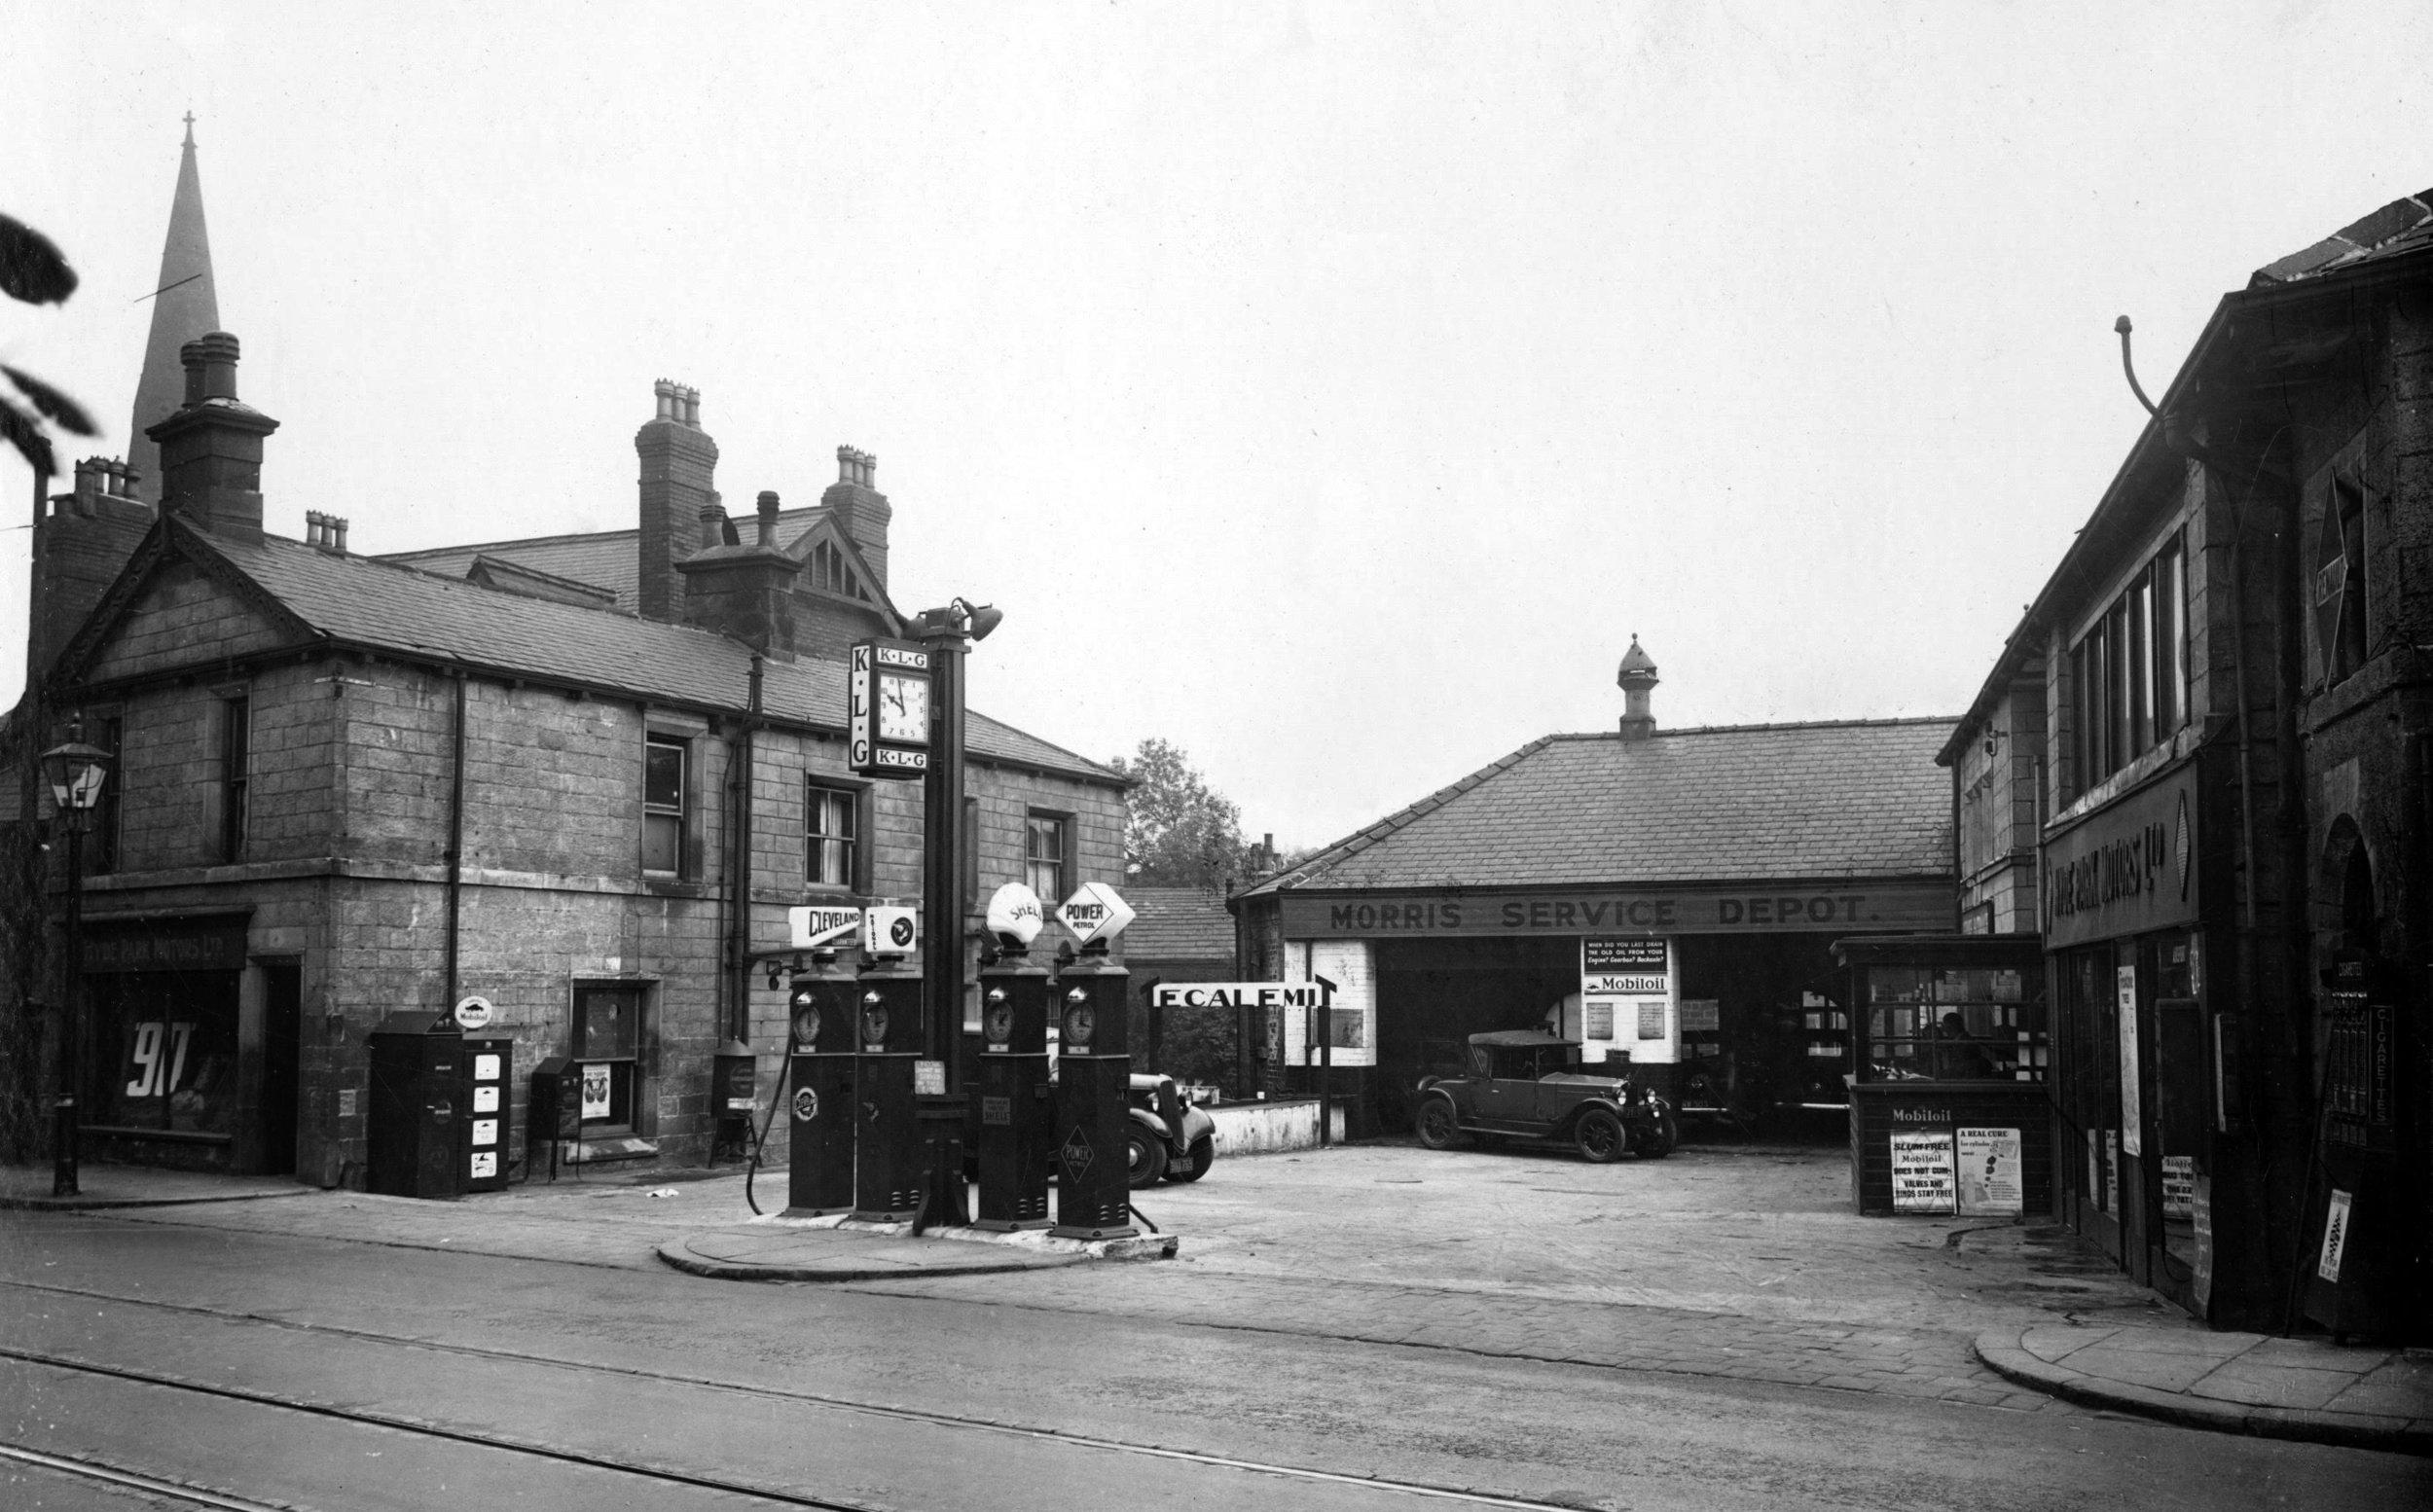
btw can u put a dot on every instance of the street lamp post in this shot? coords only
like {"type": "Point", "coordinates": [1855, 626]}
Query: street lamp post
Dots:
{"type": "Point", "coordinates": [75, 773]}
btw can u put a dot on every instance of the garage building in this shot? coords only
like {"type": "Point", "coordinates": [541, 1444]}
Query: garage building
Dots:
{"type": "Point", "coordinates": [1668, 897]}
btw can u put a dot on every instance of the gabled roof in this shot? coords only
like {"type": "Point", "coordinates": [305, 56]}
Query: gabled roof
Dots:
{"type": "Point", "coordinates": [1843, 798]}
{"type": "Point", "coordinates": [1178, 924]}
{"type": "Point", "coordinates": [607, 560]}
{"type": "Point", "coordinates": [2400, 226]}
{"type": "Point", "coordinates": [369, 604]}
{"type": "Point", "coordinates": [606, 565]}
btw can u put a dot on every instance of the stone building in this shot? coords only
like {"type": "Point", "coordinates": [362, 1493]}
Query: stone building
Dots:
{"type": "Point", "coordinates": [582, 777]}
{"type": "Point", "coordinates": [2198, 771]}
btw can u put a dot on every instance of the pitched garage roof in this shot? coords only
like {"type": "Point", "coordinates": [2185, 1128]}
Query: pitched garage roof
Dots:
{"type": "Point", "coordinates": [1845, 799]}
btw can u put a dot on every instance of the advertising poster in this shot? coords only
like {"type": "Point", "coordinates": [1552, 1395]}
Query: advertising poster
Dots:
{"type": "Point", "coordinates": [1619, 967]}
{"type": "Point", "coordinates": [2335, 1236]}
{"type": "Point", "coordinates": [1921, 1172]}
{"type": "Point", "coordinates": [2131, 1120]}
{"type": "Point", "coordinates": [2179, 1186]}
{"type": "Point", "coordinates": [2201, 1213]}
{"type": "Point", "coordinates": [594, 1091]}
{"type": "Point", "coordinates": [1989, 1172]}
{"type": "Point", "coordinates": [1651, 1021]}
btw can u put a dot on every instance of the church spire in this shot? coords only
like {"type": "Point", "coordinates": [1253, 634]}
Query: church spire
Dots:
{"type": "Point", "coordinates": [184, 306]}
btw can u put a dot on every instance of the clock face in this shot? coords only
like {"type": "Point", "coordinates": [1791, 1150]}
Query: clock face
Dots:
{"type": "Point", "coordinates": [904, 709]}
{"type": "Point", "coordinates": [872, 1024]}
{"type": "Point", "coordinates": [1080, 1021]}
{"type": "Point", "coordinates": [1001, 1021]}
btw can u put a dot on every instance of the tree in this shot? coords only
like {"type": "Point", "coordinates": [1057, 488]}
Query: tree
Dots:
{"type": "Point", "coordinates": [1181, 833]}
{"type": "Point", "coordinates": [31, 272]}
{"type": "Point", "coordinates": [34, 272]}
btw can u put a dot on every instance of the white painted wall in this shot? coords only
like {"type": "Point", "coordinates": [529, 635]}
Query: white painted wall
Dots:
{"type": "Point", "coordinates": [1350, 966]}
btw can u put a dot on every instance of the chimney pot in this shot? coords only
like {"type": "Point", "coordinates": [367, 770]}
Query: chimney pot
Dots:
{"type": "Point", "coordinates": [714, 524]}
{"type": "Point", "coordinates": [692, 406]}
{"type": "Point", "coordinates": [664, 392]}
{"type": "Point", "coordinates": [218, 351]}
{"type": "Point", "coordinates": [768, 503]}
{"type": "Point", "coordinates": [190, 357]}
{"type": "Point", "coordinates": [337, 524]}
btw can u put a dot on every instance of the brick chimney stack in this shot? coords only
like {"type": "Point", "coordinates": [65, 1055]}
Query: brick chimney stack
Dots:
{"type": "Point", "coordinates": [747, 592]}
{"type": "Point", "coordinates": [859, 509]}
{"type": "Point", "coordinates": [1636, 678]}
{"type": "Point", "coordinates": [211, 446]}
{"type": "Point", "coordinates": [678, 461]}
{"type": "Point", "coordinates": [80, 541]}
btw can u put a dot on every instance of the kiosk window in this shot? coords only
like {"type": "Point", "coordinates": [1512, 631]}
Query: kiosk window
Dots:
{"type": "Point", "coordinates": [1926, 1023]}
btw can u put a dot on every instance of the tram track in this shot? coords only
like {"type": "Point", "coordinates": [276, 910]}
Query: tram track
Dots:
{"type": "Point", "coordinates": [629, 1376]}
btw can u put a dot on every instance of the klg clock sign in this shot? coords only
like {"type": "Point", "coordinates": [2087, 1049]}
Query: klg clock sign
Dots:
{"type": "Point", "coordinates": [887, 689]}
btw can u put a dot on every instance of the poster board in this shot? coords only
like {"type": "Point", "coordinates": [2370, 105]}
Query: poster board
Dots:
{"type": "Point", "coordinates": [1922, 1176]}
{"type": "Point", "coordinates": [1988, 1174]}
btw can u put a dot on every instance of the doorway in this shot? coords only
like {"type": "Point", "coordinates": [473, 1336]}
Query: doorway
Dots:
{"type": "Point", "coordinates": [283, 1030]}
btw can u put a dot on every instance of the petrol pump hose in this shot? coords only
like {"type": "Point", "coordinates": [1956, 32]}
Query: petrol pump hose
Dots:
{"type": "Point", "coordinates": [751, 1166]}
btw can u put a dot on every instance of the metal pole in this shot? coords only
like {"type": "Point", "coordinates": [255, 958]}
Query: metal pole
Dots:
{"type": "Point", "coordinates": [941, 892]}
{"type": "Point", "coordinates": [1325, 1061]}
{"type": "Point", "coordinates": [72, 1019]}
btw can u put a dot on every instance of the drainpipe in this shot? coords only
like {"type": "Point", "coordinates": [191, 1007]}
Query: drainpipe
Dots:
{"type": "Point", "coordinates": [455, 841]}
{"type": "Point", "coordinates": [740, 864]}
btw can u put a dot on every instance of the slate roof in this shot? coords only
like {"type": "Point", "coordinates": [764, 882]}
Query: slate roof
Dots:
{"type": "Point", "coordinates": [1740, 802]}
{"type": "Point", "coordinates": [380, 605]}
{"type": "Point", "coordinates": [2400, 226]}
{"type": "Point", "coordinates": [608, 560]}
{"type": "Point", "coordinates": [1178, 924]}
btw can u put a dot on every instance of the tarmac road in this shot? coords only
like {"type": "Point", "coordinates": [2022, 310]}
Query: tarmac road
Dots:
{"type": "Point", "coordinates": [1584, 1374]}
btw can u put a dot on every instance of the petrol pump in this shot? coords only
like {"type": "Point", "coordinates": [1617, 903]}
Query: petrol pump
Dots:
{"type": "Point", "coordinates": [822, 1052]}
{"type": "Point", "coordinates": [888, 1165]}
{"type": "Point", "coordinates": [1094, 1073]}
{"type": "Point", "coordinates": [1017, 1128]}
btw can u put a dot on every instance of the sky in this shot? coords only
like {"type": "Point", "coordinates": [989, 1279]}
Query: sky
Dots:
{"type": "Point", "coordinates": [1332, 390]}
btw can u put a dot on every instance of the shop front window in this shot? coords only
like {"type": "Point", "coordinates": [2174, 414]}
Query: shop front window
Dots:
{"type": "Point", "coordinates": [164, 1052]}
{"type": "Point", "coordinates": [1954, 1023]}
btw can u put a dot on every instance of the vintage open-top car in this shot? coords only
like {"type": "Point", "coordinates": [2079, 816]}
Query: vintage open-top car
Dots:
{"type": "Point", "coordinates": [1529, 1083]}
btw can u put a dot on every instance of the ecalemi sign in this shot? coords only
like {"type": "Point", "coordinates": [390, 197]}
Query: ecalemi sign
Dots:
{"type": "Point", "coordinates": [887, 691]}
{"type": "Point", "coordinates": [1763, 908]}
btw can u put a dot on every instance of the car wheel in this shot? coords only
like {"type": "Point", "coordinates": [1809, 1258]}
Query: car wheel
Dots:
{"type": "Point", "coordinates": [1203, 1156]}
{"type": "Point", "coordinates": [1438, 1127]}
{"type": "Point", "coordinates": [1145, 1156]}
{"type": "Point", "coordinates": [1599, 1135]}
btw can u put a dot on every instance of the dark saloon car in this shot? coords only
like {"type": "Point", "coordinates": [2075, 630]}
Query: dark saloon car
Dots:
{"type": "Point", "coordinates": [1527, 1083]}
{"type": "Point", "coordinates": [1167, 1138]}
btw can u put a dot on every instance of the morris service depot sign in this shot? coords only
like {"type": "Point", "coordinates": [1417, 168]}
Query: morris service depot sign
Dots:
{"type": "Point", "coordinates": [1905, 906]}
